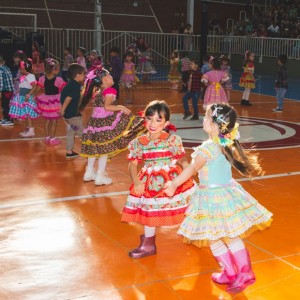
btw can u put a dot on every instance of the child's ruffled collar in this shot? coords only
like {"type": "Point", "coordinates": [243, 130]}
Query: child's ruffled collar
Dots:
{"type": "Point", "coordinates": [144, 139]}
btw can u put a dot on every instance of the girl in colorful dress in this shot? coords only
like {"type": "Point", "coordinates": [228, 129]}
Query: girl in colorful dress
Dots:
{"type": "Point", "coordinates": [222, 212]}
{"type": "Point", "coordinates": [147, 203]}
{"type": "Point", "coordinates": [110, 128]}
{"type": "Point", "coordinates": [23, 106]}
{"type": "Point", "coordinates": [37, 62]}
{"type": "Point", "coordinates": [49, 101]}
{"type": "Point", "coordinates": [81, 57]}
{"type": "Point", "coordinates": [94, 59]}
{"type": "Point", "coordinates": [145, 67]}
{"type": "Point", "coordinates": [247, 79]}
{"type": "Point", "coordinates": [174, 74]}
{"type": "Point", "coordinates": [213, 80]}
{"type": "Point", "coordinates": [225, 66]}
{"type": "Point", "coordinates": [128, 77]}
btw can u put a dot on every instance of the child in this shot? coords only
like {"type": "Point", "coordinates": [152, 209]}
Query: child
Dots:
{"type": "Point", "coordinates": [81, 58]}
{"type": "Point", "coordinates": [68, 59]}
{"type": "Point", "coordinates": [185, 71]}
{"type": "Point", "coordinates": [70, 99]}
{"type": "Point", "coordinates": [116, 68]}
{"type": "Point", "coordinates": [104, 135]}
{"type": "Point", "coordinates": [145, 67]}
{"type": "Point", "coordinates": [49, 101]}
{"type": "Point", "coordinates": [213, 80]}
{"type": "Point", "coordinates": [204, 69]}
{"type": "Point", "coordinates": [6, 92]}
{"type": "Point", "coordinates": [225, 67]}
{"type": "Point", "coordinates": [281, 84]}
{"type": "Point", "coordinates": [22, 105]}
{"type": "Point", "coordinates": [37, 63]}
{"type": "Point", "coordinates": [174, 74]}
{"type": "Point", "coordinates": [147, 203]}
{"type": "Point", "coordinates": [17, 57]}
{"type": "Point", "coordinates": [221, 209]}
{"type": "Point", "coordinates": [194, 90]}
{"type": "Point", "coordinates": [128, 77]}
{"type": "Point", "coordinates": [247, 79]}
{"type": "Point", "coordinates": [94, 59]}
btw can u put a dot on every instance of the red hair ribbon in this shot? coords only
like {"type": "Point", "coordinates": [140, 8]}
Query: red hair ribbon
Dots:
{"type": "Point", "coordinates": [171, 127]}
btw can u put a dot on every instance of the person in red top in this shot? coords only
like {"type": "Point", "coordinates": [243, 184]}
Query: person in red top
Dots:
{"type": "Point", "coordinates": [194, 91]}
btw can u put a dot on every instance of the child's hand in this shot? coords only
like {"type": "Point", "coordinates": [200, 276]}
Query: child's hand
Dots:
{"type": "Point", "coordinates": [139, 187]}
{"type": "Point", "coordinates": [62, 112]}
{"type": "Point", "coordinates": [126, 111]}
{"type": "Point", "coordinates": [27, 96]}
{"type": "Point", "coordinates": [169, 188]}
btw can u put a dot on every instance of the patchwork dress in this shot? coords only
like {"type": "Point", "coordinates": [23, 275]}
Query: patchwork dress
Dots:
{"type": "Point", "coordinates": [49, 102]}
{"type": "Point", "coordinates": [247, 79]}
{"type": "Point", "coordinates": [107, 132]}
{"type": "Point", "coordinates": [128, 77]}
{"type": "Point", "coordinates": [220, 207]}
{"type": "Point", "coordinates": [154, 208]}
{"type": "Point", "coordinates": [145, 66]}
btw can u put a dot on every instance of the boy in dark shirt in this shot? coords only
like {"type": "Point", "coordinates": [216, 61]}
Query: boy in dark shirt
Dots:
{"type": "Point", "coordinates": [194, 91]}
{"type": "Point", "coordinates": [281, 84]}
{"type": "Point", "coordinates": [70, 99]}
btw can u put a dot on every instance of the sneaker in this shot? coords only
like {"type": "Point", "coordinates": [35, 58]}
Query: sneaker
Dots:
{"type": "Point", "coordinates": [186, 115]}
{"type": "Point", "coordinates": [27, 134]}
{"type": "Point", "coordinates": [102, 179]}
{"type": "Point", "coordinates": [195, 117]}
{"type": "Point", "coordinates": [72, 155]}
{"type": "Point", "coordinates": [26, 129]}
{"type": "Point", "coordinates": [89, 175]}
{"type": "Point", "coordinates": [54, 141]}
{"type": "Point", "coordinates": [7, 123]}
{"type": "Point", "coordinates": [2, 120]}
{"type": "Point", "coordinates": [278, 109]}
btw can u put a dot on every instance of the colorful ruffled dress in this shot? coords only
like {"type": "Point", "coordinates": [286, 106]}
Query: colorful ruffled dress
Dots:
{"type": "Point", "coordinates": [174, 75]}
{"type": "Point", "coordinates": [247, 79]}
{"type": "Point", "coordinates": [220, 207]}
{"type": "Point", "coordinates": [215, 92]}
{"type": "Point", "coordinates": [128, 77]}
{"type": "Point", "coordinates": [107, 132]}
{"type": "Point", "coordinates": [19, 108]}
{"type": "Point", "coordinates": [154, 207]}
{"type": "Point", "coordinates": [49, 102]}
{"type": "Point", "coordinates": [145, 66]}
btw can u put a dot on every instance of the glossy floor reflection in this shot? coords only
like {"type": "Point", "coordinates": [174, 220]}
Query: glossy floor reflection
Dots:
{"type": "Point", "coordinates": [63, 239]}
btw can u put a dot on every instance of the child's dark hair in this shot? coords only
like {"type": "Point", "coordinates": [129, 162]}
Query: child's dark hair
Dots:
{"type": "Point", "coordinates": [243, 161]}
{"type": "Point", "coordinates": [160, 107]}
{"type": "Point", "coordinates": [205, 57]}
{"type": "Point", "coordinates": [74, 69]}
{"type": "Point", "coordinates": [130, 54]}
{"type": "Point", "coordinates": [82, 50]}
{"type": "Point", "coordinates": [195, 61]}
{"type": "Point", "coordinates": [282, 58]}
{"type": "Point", "coordinates": [20, 54]}
{"type": "Point", "coordinates": [68, 49]}
{"type": "Point", "coordinates": [26, 65]}
{"type": "Point", "coordinates": [50, 65]}
{"type": "Point", "coordinates": [90, 84]}
{"type": "Point", "coordinates": [215, 62]}
{"type": "Point", "coordinates": [114, 50]}
{"type": "Point", "coordinates": [225, 58]}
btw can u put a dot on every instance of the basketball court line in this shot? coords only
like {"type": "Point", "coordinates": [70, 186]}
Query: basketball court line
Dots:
{"type": "Point", "coordinates": [111, 194]}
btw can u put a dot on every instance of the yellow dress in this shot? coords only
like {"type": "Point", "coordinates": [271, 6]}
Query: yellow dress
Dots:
{"type": "Point", "coordinates": [247, 79]}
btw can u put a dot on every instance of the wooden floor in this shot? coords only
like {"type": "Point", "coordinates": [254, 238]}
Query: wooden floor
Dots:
{"type": "Point", "coordinates": [63, 239]}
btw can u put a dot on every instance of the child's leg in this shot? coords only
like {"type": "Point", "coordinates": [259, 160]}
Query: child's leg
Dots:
{"type": "Point", "coordinates": [70, 136]}
{"type": "Point", "coordinates": [225, 261]}
{"type": "Point", "coordinates": [30, 132]}
{"type": "Point", "coordinates": [89, 174]}
{"type": "Point", "coordinates": [101, 178]}
{"type": "Point", "coordinates": [147, 245]}
{"type": "Point", "coordinates": [246, 94]}
{"type": "Point", "coordinates": [195, 98]}
{"type": "Point", "coordinates": [227, 94]}
{"type": "Point", "coordinates": [47, 128]}
{"type": "Point", "coordinates": [130, 94]}
{"type": "Point", "coordinates": [52, 130]}
{"type": "Point", "coordinates": [242, 263]}
{"type": "Point", "coordinates": [185, 101]}
{"type": "Point", "coordinates": [280, 93]}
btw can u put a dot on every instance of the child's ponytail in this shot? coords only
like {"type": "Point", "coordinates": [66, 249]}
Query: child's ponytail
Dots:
{"type": "Point", "coordinates": [88, 93]}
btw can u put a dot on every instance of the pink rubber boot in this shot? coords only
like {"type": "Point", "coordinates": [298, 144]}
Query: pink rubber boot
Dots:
{"type": "Point", "coordinates": [245, 276]}
{"type": "Point", "coordinates": [228, 274]}
{"type": "Point", "coordinates": [147, 247]}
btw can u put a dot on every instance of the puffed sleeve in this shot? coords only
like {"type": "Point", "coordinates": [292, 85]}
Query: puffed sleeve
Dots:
{"type": "Point", "coordinates": [31, 79]}
{"type": "Point", "coordinates": [59, 83]}
{"type": "Point", "coordinates": [41, 82]}
{"type": "Point", "coordinates": [109, 91]}
{"type": "Point", "coordinates": [135, 150]}
{"type": "Point", "coordinates": [175, 146]}
{"type": "Point", "coordinates": [207, 150]}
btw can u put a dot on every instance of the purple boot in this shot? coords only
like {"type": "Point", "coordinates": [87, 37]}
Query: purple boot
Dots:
{"type": "Point", "coordinates": [147, 247]}
{"type": "Point", "coordinates": [228, 274]}
{"type": "Point", "coordinates": [245, 276]}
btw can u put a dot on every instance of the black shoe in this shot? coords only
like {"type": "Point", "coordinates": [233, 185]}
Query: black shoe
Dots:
{"type": "Point", "coordinates": [243, 102]}
{"type": "Point", "coordinates": [72, 155]}
{"type": "Point", "coordinates": [195, 117]}
{"type": "Point", "coordinates": [277, 109]}
{"type": "Point", "coordinates": [186, 115]}
{"type": "Point", "coordinates": [248, 103]}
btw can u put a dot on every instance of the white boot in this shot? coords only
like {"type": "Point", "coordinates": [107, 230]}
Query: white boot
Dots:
{"type": "Point", "coordinates": [29, 133]}
{"type": "Point", "coordinates": [102, 179]}
{"type": "Point", "coordinates": [89, 174]}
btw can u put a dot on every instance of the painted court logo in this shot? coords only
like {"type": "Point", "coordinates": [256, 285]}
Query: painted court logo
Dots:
{"type": "Point", "coordinates": [258, 132]}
